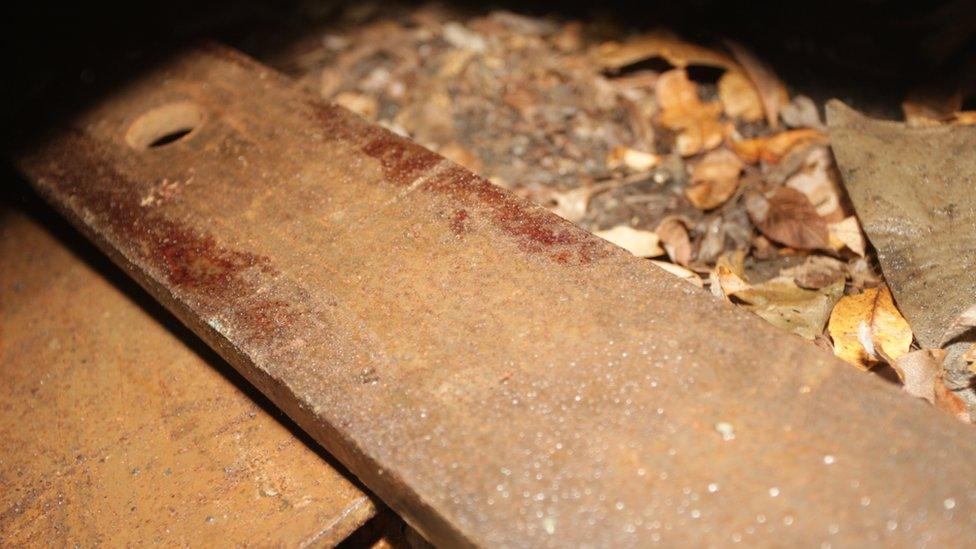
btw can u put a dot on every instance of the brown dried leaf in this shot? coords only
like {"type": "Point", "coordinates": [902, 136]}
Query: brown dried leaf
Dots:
{"type": "Point", "coordinates": [867, 328]}
{"type": "Point", "coordinates": [784, 304]}
{"type": "Point", "coordinates": [774, 148]}
{"type": "Point", "coordinates": [771, 89]}
{"type": "Point", "coordinates": [818, 271]}
{"type": "Point", "coordinates": [918, 371]}
{"type": "Point", "coordinates": [673, 233]}
{"type": "Point", "coordinates": [714, 179]}
{"type": "Point", "coordinates": [739, 97]}
{"type": "Point", "coordinates": [931, 104]}
{"type": "Point", "coordinates": [697, 123]}
{"type": "Point", "coordinates": [688, 276]}
{"type": "Point", "coordinates": [632, 159]}
{"type": "Point", "coordinates": [948, 401]}
{"type": "Point", "coordinates": [788, 217]}
{"type": "Point", "coordinates": [663, 44]}
{"type": "Point", "coordinates": [814, 179]}
{"type": "Point", "coordinates": [847, 233]}
{"type": "Point", "coordinates": [640, 243]}
{"type": "Point", "coordinates": [802, 112]}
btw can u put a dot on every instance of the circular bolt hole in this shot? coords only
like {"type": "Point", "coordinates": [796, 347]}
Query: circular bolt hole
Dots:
{"type": "Point", "coordinates": [164, 125]}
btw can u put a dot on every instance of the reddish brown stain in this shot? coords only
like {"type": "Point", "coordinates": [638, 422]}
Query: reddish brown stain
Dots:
{"type": "Point", "coordinates": [535, 230]}
{"type": "Point", "coordinates": [190, 260]}
{"type": "Point", "coordinates": [403, 161]}
{"type": "Point", "coordinates": [459, 222]}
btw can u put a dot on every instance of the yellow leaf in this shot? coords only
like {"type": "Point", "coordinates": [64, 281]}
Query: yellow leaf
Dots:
{"type": "Point", "coordinates": [867, 328]}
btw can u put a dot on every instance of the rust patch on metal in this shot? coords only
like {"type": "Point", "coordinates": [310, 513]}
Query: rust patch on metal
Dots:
{"type": "Point", "coordinates": [191, 260]}
{"type": "Point", "coordinates": [534, 230]}
{"type": "Point", "coordinates": [403, 161]}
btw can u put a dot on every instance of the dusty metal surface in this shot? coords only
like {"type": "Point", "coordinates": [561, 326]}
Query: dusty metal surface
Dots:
{"type": "Point", "coordinates": [117, 431]}
{"type": "Point", "coordinates": [913, 191]}
{"type": "Point", "coordinates": [495, 374]}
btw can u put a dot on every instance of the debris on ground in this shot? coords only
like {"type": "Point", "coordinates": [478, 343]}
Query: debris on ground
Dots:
{"type": "Point", "coordinates": [693, 154]}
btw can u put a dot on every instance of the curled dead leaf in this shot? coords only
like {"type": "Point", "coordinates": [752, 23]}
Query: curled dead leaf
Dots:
{"type": "Point", "coordinates": [714, 179]}
{"type": "Point", "coordinates": [687, 275]}
{"type": "Point", "coordinates": [697, 123]}
{"type": "Point", "coordinates": [802, 112]}
{"type": "Point", "coordinates": [673, 232]}
{"type": "Point", "coordinates": [771, 89]}
{"type": "Point", "coordinates": [787, 216]}
{"type": "Point", "coordinates": [948, 401]}
{"type": "Point", "coordinates": [867, 328]}
{"type": "Point", "coordinates": [818, 271]}
{"type": "Point", "coordinates": [815, 180]}
{"type": "Point", "coordinates": [632, 159]}
{"type": "Point", "coordinates": [772, 149]}
{"type": "Point", "coordinates": [663, 44]}
{"type": "Point", "coordinates": [784, 304]}
{"type": "Point", "coordinates": [640, 243]}
{"type": "Point", "coordinates": [739, 97]}
{"type": "Point", "coordinates": [918, 371]}
{"type": "Point", "coordinates": [847, 233]}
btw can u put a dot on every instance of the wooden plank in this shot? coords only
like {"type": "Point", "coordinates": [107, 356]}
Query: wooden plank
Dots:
{"type": "Point", "coordinates": [495, 374]}
{"type": "Point", "coordinates": [119, 429]}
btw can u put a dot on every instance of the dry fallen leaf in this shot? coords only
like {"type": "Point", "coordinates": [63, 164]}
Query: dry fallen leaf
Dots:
{"type": "Point", "coordinates": [847, 233]}
{"type": "Point", "coordinates": [918, 371]}
{"type": "Point", "coordinates": [739, 97]}
{"type": "Point", "coordinates": [867, 328]}
{"type": "Point", "coordinates": [802, 112]}
{"type": "Point", "coordinates": [772, 149]}
{"type": "Point", "coordinates": [930, 105]}
{"type": "Point", "coordinates": [784, 304]}
{"type": "Point", "coordinates": [663, 44]}
{"type": "Point", "coordinates": [814, 179]}
{"type": "Point", "coordinates": [964, 118]}
{"type": "Point", "coordinates": [640, 243]}
{"type": "Point", "coordinates": [948, 401]}
{"type": "Point", "coordinates": [788, 217]}
{"type": "Point", "coordinates": [680, 272]}
{"type": "Point", "coordinates": [728, 276]}
{"type": "Point", "coordinates": [363, 105]}
{"type": "Point", "coordinates": [714, 179]}
{"type": "Point", "coordinates": [632, 159]}
{"type": "Point", "coordinates": [571, 205]}
{"type": "Point", "coordinates": [697, 123]}
{"type": "Point", "coordinates": [673, 232]}
{"type": "Point", "coordinates": [771, 89]}
{"type": "Point", "coordinates": [818, 271]}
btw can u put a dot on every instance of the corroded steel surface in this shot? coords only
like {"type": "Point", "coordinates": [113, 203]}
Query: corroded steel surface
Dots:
{"type": "Point", "coordinates": [117, 431]}
{"type": "Point", "coordinates": [495, 374]}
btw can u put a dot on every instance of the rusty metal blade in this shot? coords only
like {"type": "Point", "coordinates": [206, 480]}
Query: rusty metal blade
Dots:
{"type": "Point", "coordinates": [118, 431]}
{"type": "Point", "coordinates": [495, 374]}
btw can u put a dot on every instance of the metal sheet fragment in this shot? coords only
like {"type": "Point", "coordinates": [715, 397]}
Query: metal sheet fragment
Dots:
{"type": "Point", "coordinates": [119, 431]}
{"type": "Point", "coordinates": [495, 374]}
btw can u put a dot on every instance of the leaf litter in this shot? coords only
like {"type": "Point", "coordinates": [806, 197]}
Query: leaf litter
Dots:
{"type": "Point", "coordinates": [726, 182]}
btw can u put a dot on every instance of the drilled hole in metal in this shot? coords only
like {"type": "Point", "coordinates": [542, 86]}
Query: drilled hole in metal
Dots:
{"type": "Point", "coordinates": [165, 125]}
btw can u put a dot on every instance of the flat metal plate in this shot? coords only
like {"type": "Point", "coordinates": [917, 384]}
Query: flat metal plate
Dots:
{"type": "Point", "coordinates": [120, 428]}
{"type": "Point", "coordinates": [495, 374]}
